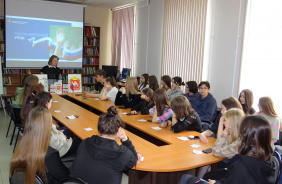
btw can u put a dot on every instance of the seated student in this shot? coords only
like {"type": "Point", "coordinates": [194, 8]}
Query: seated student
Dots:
{"type": "Point", "coordinates": [144, 81]}
{"type": "Point", "coordinates": [184, 117]}
{"type": "Point", "coordinates": [205, 103]}
{"type": "Point", "coordinates": [33, 155]}
{"type": "Point", "coordinates": [254, 164]}
{"type": "Point", "coordinates": [128, 95]}
{"type": "Point", "coordinates": [226, 104]}
{"type": "Point", "coordinates": [52, 70]}
{"type": "Point", "coordinates": [29, 82]}
{"type": "Point", "coordinates": [58, 141]}
{"type": "Point", "coordinates": [36, 88]}
{"type": "Point", "coordinates": [153, 83]}
{"type": "Point", "coordinates": [166, 82]}
{"type": "Point", "coordinates": [267, 110]}
{"type": "Point", "coordinates": [161, 112]}
{"type": "Point", "coordinates": [175, 90]}
{"type": "Point", "coordinates": [246, 100]}
{"type": "Point", "coordinates": [100, 159]}
{"type": "Point", "coordinates": [100, 76]}
{"type": "Point", "coordinates": [191, 92]}
{"type": "Point", "coordinates": [19, 90]}
{"type": "Point", "coordinates": [146, 103]}
{"type": "Point", "coordinates": [110, 90]}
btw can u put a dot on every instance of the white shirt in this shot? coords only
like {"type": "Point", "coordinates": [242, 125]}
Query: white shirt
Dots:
{"type": "Point", "coordinates": [111, 94]}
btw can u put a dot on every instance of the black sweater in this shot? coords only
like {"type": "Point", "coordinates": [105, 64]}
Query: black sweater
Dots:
{"type": "Point", "coordinates": [102, 161]}
{"type": "Point", "coordinates": [52, 73]}
{"type": "Point", "coordinates": [143, 107]}
{"type": "Point", "coordinates": [121, 99]}
{"type": "Point", "coordinates": [191, 122]}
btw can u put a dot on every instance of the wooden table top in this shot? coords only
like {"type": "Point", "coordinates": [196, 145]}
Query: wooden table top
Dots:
{"type": "Point", "coordinates": [176, 156]}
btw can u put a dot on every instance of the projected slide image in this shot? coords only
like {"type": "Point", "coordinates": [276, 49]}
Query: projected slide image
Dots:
{"type": "Point", "coordinates": [34, 39]}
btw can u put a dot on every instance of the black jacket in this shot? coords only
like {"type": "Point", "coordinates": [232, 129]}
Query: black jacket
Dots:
{"type": "Point", "coordinates": [245, 169]}
{"type": "Point", "coordinates": [121, 99]}
{"type": "Point", "coordinates": [143, 107]}
{"type": "Point", "coordinates": [191, 122]}
{"type": "Point", "coordinates": [55, 168]}
{"type": "Point", "coordinates": [102, 161]}
{"type": "Point", "coordinates": [52, 73]}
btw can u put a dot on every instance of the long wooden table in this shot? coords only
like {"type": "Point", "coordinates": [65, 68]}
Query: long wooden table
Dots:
{"type": "Point", "coordinates": [159, 161]}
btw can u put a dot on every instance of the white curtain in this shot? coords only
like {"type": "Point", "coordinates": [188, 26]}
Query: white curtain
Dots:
{"type": "Point", "coordinates": [184, 38]}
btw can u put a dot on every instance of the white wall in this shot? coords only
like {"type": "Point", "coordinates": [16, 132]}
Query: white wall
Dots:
{"type": "Point", "coordinates": [148, 38]}
{"type": "Point", "coordinates": [227, 26]}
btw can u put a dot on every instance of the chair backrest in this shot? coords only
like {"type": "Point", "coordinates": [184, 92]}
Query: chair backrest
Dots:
{"type": "Point", "coordinates": [277, 159]}
{"type": "Point", "coordinates": [18, 178]}
{"type": "Point", "coordinates": [72, 180]}
{"type": "Point", "coordinates": [8, 105]}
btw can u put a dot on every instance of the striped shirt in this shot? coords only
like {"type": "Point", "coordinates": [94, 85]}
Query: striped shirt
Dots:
{"type": "Point", "coordinates": [167, 113]}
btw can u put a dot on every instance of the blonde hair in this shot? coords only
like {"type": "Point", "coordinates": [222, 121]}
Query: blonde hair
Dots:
{"type": "Point", "coordinates": [235, 117]}
{"type": "Point", "coordinates": [267, 107]}
{"type": "Point", "coordinates": [29, 156]}
{"type": "Point", "coordinates": [131, 86]}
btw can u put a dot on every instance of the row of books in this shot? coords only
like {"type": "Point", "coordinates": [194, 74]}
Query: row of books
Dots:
{"type": "Point", "coordinates": [89, 31]}
{"type": "Point", "coordinates": [2, 35]}
{"type": "Point", "coordinates": [71, 70]}
{"type": "Point", "coordinates": [2, 47]}
{"type": "Point", "coordinates": [2, 58]}
{"type": "Point", "coordinates": [91, 41]}
{"type": "Point", "coordinates": [26, 71]}
{"type": "Point", "coordinates": [91, 51]}
{"type": "Point", "coordinates": [10, 70]}
{"type": "Point", "coordinates": [87, 88]}
{"type": "Point", "coordinates": [65, 79]}
{"type": "Point", "coordinates": [88, 70]}
{"type": "Point", "coordinates": [7, 80]}
{"type": "Point", "coordinates": [89, 79]}
{"type": "Point", "coordinates": [91, 61]}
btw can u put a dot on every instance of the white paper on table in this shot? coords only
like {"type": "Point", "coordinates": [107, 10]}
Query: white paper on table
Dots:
{"type": "Point", "coordinates": [182, 138]}
{"type": "Point", "coordinates": [156, 128]}
{"type": "Point", "coordinates": [55, 101]}
{"type": "Point", "coordinates": [57, 111]}
{"type": "Point", "coordinates": [96, 99]}
{"type": "Point", "coordinates": [142, 120]}
{"type": "Point", "coordinates": [88, 129]}
{"type": "Point", "coordinates": [71, 117]}
{"type": "Point", "coordinates": [124, 113]}
{"type": "Point", "coordinates": [197, 152]}
{"type": "Point", "coordinates": [195, 145]}
{"type": "Point", "coordinates": [142, 158]}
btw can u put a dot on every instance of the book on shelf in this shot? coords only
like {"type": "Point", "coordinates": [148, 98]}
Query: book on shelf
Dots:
{"type": "Point", "coordinates": [90, 41]}
{"type": "Point", "coordinates": [88, 70]}
{"type": "Point", "coordinates": [91, 51]}
{"type": "Point", "coordinates": [89, 79]}
{"type": "Point", "coordinates": [89, 31]}
{"type": "Point", "coordinates": [87, 88]}
{"type": "Point", "coordinates": [2, 47]}
{"type": "Point", "coordinates": [91, 61]}
{"type": "Point", "coordinates": [7, 80]}
{"type": "Point", "coordinates": [26, 71]}
{"type": "Point", "coordinates": [10, 70]}
{"type": "Point", "coordinates": [2, 60]}
{"type": "Point", "coordinates": [71, 70]}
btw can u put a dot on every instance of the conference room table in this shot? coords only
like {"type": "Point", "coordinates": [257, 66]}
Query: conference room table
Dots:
{"type": "Point", "coordinates": [166, 158]}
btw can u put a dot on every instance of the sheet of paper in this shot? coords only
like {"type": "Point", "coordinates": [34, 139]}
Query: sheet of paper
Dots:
{"type": "Point", "coordinates": [124, 113]}
{"type": "Point", "coordinates": [96, 99]}
{"type": "Point", "coordinates": [183, 138]}
{"type": "Point", "coordinates": [57, 111]}
{"type": "Point", "coordinates": [195, 145]}
{"type": "Point", "coordinates": [55, 101]}
{"type": "Point", "coordinates": [142, 158]}
{"type": "Point", "coordinates": [88, 129]}
{"type": "Point", "coordinates": [142, 120]}
{"type": "Point", "coordinates": [156, 128]}
{"type": "Point", "coordinates": [197, 152]}
{"type": "Point", "coordinates": [71, 117]}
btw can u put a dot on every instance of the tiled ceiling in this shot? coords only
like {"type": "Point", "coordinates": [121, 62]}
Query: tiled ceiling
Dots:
{"type": "Point", "coordinates": [102, 3]}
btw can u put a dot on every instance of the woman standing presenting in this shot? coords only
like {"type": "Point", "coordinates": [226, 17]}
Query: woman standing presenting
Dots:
{"type": "Point", "coordinates": [53, 72]}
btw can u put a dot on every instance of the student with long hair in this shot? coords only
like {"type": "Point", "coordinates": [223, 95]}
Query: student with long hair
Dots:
{"type": "Point", "coordinates": [205, 103]}
{"type": "Point", "coordinates": [19, 91]}
{"type": "Point", "coordinates": [144, 81]}
{"type": "Point", "coordinates": [184, 117]}
{"type": "Point", "coordinates": [110, 90]}
{"type": "Point", "coordinates": [29, 82]}
{"type": "Point", "coordinates": [226, 104]}
{"type": "Point", "coordinates": [58, 140]}
{"type": "Point", "coordinates": [153, 82]}
{"type": "Point", "coordinates": [254, 164]}
{"type": "Point", "coordinates": [128, 95]}
{"type": "Point", "coordinates": [161, 112]}
{"type": "Point", "coordinates": [191, 92]}
{"type": "Point", "coordinates": [33, 155]}
{"type": "Point", "coordinates": [175, 90]}
{"type": "Point", "coordinates": [146, 103]}
{"type": "Point", "coordinates": [166, 82]}
{"type": "Point", "coordinates": [101, 156]}
{"type": "Point", "coordinates": [246, 99]}
{"type": "Point", "coordinates": [267, 110]}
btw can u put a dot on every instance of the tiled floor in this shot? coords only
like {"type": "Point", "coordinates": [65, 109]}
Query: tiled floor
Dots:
{"type": "Point", "coordinates": [6, 150]}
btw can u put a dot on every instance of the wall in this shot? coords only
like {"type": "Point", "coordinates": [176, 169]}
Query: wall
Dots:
{"type": "Point", "coordinates": [101, 17]}
{"type": "Point", "coordinates": [148, 38]}
{"type": "Point", "coordinates": [227, 27]}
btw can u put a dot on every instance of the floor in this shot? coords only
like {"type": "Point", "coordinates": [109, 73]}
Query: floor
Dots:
{"type": "Point", "coordinates": [6, 150]}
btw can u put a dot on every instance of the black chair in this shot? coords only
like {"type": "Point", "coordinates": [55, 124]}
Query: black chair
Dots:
{"type": "Point", "coordinates": [72, 180]}
{"type": "Point", "coordinates": [7, 104]}
{"type": "Point", "coordinates": [19, 177]}
{"type": "Point", "coordinates": [207, 123]}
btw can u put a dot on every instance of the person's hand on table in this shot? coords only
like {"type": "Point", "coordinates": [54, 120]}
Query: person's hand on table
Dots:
{"type": "Point", "coordinates": [85, 94]}
{"type": "Point", "coordinates": [203, 138]}
{"type": "Point", "coordinates": [139, 157]}
{"type": "Point", "coordinates": [121, 135]}
{"type": "Point", "coordinates": [212, 181]}
{"type": "Point", "coordinates": [133, 112]}
{"type": "Point", "coordinates": [163, 124]}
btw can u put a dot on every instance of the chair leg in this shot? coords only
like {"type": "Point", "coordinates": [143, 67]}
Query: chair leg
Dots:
{"type": "Point", "coordinates": [16, 140]}
{"type": "Point", "coordinates": [13, 136]}
{"type": "Point", "coordinates": [9, 127]}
